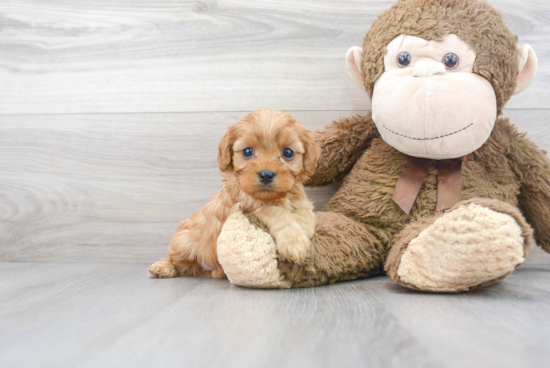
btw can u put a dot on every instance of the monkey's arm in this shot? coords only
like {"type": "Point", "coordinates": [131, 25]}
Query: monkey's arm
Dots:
{"type": "Point", "coordinates": [532, 167]}
{"type": "Point", "coordinates": [342, 143]}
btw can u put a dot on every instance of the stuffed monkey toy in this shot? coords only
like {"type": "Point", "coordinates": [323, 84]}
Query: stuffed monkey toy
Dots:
{"type": "Point", "coordinates": [439, 190]}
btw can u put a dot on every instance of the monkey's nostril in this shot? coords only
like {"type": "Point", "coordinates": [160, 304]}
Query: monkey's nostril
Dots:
{"type": "Point", "coordinates": [428, 68]}
{"type": "Point", "coordinates": [266, 176]}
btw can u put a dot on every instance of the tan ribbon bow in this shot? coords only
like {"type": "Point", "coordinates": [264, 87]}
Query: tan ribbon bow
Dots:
{"type": "Point", "coordinates": [449, 186]}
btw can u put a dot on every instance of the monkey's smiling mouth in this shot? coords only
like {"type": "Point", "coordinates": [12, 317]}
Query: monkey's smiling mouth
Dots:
{"type": "Point", "coordinates": [431, 138]}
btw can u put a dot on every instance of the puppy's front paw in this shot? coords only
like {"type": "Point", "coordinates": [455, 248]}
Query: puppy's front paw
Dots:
{"type": "Point", "coordinates": [163, 270]}
{"type": "Point", "coordinates": [293, 246]}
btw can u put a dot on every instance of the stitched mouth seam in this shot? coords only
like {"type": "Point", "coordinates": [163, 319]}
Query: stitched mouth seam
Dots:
{"type": "Point", "coordinates": [428, 139]}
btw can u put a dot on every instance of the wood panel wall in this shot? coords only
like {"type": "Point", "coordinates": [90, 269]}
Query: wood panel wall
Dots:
{"type": "Point", "coordinates": [111, 112]}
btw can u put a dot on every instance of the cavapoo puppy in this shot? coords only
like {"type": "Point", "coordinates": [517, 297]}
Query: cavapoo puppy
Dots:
{"type": "Point", "coordinates": [264, 159]}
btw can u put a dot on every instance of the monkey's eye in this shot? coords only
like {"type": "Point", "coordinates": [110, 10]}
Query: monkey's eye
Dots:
{"type": "Point", "coordinates": [248, 152]}
{"type": "Point", "coordinates": [450, 60]}
{"type": "Point", "coordinates": [288, 153]}
{"type": "Point", "coordinates": [404, 59]}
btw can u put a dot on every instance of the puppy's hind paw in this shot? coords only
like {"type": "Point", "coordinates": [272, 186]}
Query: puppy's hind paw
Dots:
{"type": "Point", "coordinates": [163, 270]}
{"type": "Point", "coordinates": [219, 274]}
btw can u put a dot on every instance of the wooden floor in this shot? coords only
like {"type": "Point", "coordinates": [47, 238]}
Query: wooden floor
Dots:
{"type": "Point", "coordinates": [107, 315]}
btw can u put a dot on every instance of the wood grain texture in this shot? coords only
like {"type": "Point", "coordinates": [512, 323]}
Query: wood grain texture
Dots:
{"type": "Point", "coordinates": [110, 117]}
{"type": "Point", "coordinates": [114, 315]}
{"type": "Point", "coordinates": [109, 187]}
{"type": "Point", "coordinates": [113, 187]}
{"type": "Point", "coordinates": [191, 56]}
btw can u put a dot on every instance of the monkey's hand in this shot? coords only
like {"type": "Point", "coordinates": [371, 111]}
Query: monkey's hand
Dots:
{"type": "Point", "coordinates": [341, 143]}
{"type": "Point", "coordinates": [532, 167]}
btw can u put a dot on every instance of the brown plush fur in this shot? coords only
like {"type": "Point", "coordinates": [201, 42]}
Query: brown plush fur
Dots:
{"type": "Point", "coordinates": [281, 204]}
{"type": "Point", "coordinates": [506, 172]}
{"type": "Point", "coordinates": [342, 250]}
{"type": "Point", "coordinates": [362, 224]}
{"type": "Point", "coordinates": [434, 19]}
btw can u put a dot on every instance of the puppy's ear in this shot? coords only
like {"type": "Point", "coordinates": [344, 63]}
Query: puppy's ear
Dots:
{"type": "Point", "coordinates": [312, 152]}
{"type": "Point", "coordinates": [225, 150]}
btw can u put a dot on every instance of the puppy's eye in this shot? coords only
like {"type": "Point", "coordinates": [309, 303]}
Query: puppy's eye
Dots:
{"type": "Point", "coordinates": [288, 153]}
{"type": "Point", "coordinates": [248, 152]}
{"type": "Point", "coordinates": [450, 60]}
{"type": "Point", "coordinates": [404, 59]}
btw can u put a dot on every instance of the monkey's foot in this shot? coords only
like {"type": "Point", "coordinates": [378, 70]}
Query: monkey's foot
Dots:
{"type": "Point", "coordinates": [248, 253]}
{"type": "Point", "coordinates": [475, 244]}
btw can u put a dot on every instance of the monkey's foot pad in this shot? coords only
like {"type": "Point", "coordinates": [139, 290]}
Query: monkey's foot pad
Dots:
{"type": "Point", "coordinates": [248, 253]}
{"type": "Point", "coordinates": [471, 246]}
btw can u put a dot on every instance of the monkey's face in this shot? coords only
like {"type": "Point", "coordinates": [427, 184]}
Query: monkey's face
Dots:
{"type": "Point", "coordinates": [439, 99]}
{"type": "Point", "coordinates": [428, 103]}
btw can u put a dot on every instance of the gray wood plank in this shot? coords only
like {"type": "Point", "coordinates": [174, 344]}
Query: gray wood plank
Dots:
{"type": "Point", "coordinates": [74, 184]}
{"type": "Point", "coordinates": [185, 56]}
{"type": "Point", "coordinates": [113, 187]}
{"type": "Point", "coordinates": [494, 317]}
{"type": "Point", "coordinates": [114, 315]}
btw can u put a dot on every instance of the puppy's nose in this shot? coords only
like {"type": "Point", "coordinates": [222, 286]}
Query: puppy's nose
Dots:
{"type": "Point", "coordinates": [266, 176]}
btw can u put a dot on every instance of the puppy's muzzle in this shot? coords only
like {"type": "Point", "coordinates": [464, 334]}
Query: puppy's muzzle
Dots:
{"type": "Point", "coordinates": [266, 176]}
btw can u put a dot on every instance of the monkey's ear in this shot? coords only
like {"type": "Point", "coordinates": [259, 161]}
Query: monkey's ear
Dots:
{"type": "Point", "coordinates": [527, 64]}
{"type": "Point", "coordinates": [353, 64]}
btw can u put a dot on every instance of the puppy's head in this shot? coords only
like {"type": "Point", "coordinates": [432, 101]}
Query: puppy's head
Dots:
{"type": "Point", "coordinates": [268, 151]}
